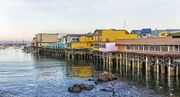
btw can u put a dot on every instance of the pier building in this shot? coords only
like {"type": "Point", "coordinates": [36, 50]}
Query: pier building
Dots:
{"type": "Point", "coordinates": [84, 41]}
{"type": "Point", "coordinates": [166, 45]}
{"type": "Point", "coordinates": [109, 35]}
{"type": "Point", "coordinates": [70, 38]}
{"type": "Point", "coordinates": [107, 47]}
{"type": "Point", "coordinates": [43, 39]}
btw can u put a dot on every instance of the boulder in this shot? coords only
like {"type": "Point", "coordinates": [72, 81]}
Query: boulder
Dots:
{"type": "Point", "coordinates": [107, 90]}
{"type": "Point", "coordinates": [82, 86]}
{"type": "Point", "coordinates": [74, 89]}
{"type": "Point", "coordinates": [70, 89]}
{"type": "Point", "coordinates": [104, 77]}
{"type": "Point", "coordinates": [91, 79]}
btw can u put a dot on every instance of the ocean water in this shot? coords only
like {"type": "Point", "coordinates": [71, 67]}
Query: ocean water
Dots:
{"type": "Point", "coordinates": [26, 75]}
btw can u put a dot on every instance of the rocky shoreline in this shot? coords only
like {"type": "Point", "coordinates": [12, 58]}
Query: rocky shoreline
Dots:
{"type": "Point", "coordinates": [107, 85]}
{"type": "Point", "coordinates": [102, 78]}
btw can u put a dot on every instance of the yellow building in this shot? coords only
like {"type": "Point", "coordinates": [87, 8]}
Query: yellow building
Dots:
{"type": "Point", "coordinates": [84, 42]}
{"type": "Point", "coordinates": [105, 35]}
{"type": "Point", "coordinates": [110, 35]}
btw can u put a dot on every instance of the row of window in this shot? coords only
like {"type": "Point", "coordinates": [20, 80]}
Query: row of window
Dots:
{"type": "Point", "coordinates": [155, 47]}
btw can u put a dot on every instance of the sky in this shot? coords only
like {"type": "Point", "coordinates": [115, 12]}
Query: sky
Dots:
{"type": "Point", "coordinates": [21, 19]}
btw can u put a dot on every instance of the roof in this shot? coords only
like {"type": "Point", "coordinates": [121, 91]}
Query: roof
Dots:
{"type": "Point", "coordinates": [147, 30]}
{"type": "Point", "coordinates": [176, 34]}
{"type": "Point", "coordinates": [172, 30]}
{"type": "Point", "coordinates": [100, 30]}
{"type": "Point", "coordinates": [47, 33]}
{"type": "Point", "coordinates": [136, 31]}
{"type": "Point", "coordinates": [149, 41]}
{"type": "Point", "coordinates": [75, 35]}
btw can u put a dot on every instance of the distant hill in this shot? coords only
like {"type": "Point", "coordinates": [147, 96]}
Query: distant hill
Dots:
{"type": "Point", "coordinates": [14, 42]}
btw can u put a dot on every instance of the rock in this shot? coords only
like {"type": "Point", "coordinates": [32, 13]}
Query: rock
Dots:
{"type": "Point", "coordinates": [89, 87]}
{"type": "Point", "coordinates": [76, 85]}
{"type": "Point", "coordinates": [104, 77]}
{"type": "Point", "coordinates": [91, 79]}
{"type": "Point", "coordinates": [75, 89]}
{"type": "Point", "coordinates": [107, 90]}
{"type": "Point", "coordinates": [70, 89]}
{"type": "Point", "coordinates": [114, 78]}
{"type": "Point", "coordinates": [82, 86]}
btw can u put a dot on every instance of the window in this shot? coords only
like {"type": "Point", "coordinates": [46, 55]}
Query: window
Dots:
{"type": "Point", "coordinates": [176, 48]}
{"type": "Point", "coordinates": [96, 46]}
{"type": "Point", "coordinates": [107, 39]}
{"type": "Point", "coordinates": [145, 47]}
{"type": "Point", "coordinates": [151, 48]}
{"type": "Point", "coordinates": [104, 46]}
{"type": "Point", "coordinates": [140, 47]}
{"type": "Point", "coordinates": [133, 47]}
{"type": "Point", "coordinates": [164, 48]}
{"type": "Point", "coordinates": [128, 47]}
{"type": "Point", "coordinates": [170, 48]}
{"type": "Point", "coordinates": [136, 47]}
{"type": "Point", "coordinates": [157, 48]}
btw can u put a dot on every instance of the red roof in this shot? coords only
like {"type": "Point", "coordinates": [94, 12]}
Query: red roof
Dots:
{"type": "Point", "coordinates": [149, 41]}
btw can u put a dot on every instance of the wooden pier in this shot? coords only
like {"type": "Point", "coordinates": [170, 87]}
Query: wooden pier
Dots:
{"type": "Point", "coordinates": [159, 64]}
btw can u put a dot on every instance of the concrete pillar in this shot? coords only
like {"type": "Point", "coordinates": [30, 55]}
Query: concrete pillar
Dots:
{"type": "Point", "coordinates": [162, 69]}
{"type": "Point", "coordinates": [104, 63]}
{"type": "Point", "coordinates": [157, 74]}
{"type": "Point", "coordinates": [171, 71]}
{"type": "Point", "coordinates": [126, 63]}
{"type": "Point", "coordinates": [177, 71]}
{"type": "Point", "coordinates": [177, 75]}
{"type": "Point", "coordinates": [138, 66]}
{"type": "Point", "coordinates": [117, 63]}
{"type": "Point", "coordinates": [146, 66]}
{"type": "Point", "coordinates": [120, 64]}
{"type": "Point", "coordinates": [133, 66]}
{"type": "Point", "coordinates": [107, 63]}
{"type": "Point", "coordinates": [146, 69]}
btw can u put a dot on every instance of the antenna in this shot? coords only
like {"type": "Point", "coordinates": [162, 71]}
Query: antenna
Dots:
{"type": "Point", "coordinates": [124, 24]}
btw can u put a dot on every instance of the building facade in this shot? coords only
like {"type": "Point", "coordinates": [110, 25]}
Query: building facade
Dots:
{"type": "Point", "coordinates": [70, 38]}
{"type": "Point", "coordinates": [110, 35]}
{"type": "Point", "coordinates": [43, 39]}
{"type": "Point", "coordinates": [83, 42]}
{"type": "Point", "coordinates": [61, 44]}
{"type": "Point", "coordinates": [107, 47]}
{"type": "Point", "coordinates": [163, 45]}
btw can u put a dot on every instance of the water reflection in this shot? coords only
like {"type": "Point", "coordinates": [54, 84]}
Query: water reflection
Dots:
{"type": "Point", "coordinates": [82, 71]}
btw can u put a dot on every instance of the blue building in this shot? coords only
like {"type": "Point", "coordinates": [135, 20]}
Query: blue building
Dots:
{"type": "Point", "coordinates": [61, 44]}
{"type": "Point", "coordinates": [145, 33]}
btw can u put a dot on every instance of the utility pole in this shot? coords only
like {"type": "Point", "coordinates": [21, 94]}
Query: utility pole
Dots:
{"type": "Point", "coordinates": [124, 24]}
